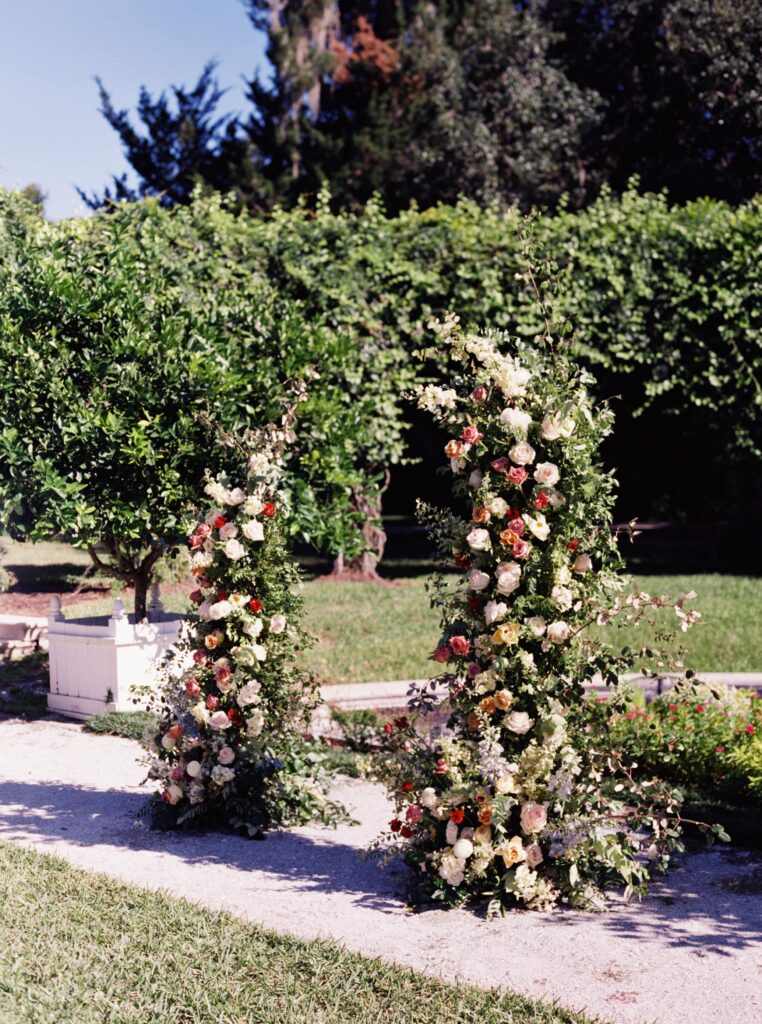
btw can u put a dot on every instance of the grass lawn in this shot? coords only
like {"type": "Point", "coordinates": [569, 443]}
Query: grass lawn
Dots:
{"type": "Point", "coordinates": [77, 948]}
{"type": "Point", "coordinates": [368, 633]}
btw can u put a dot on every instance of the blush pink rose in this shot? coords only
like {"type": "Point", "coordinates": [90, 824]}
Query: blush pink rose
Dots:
{"type": "Point", "coordinates": [518, 526]}
{"type": "Point", "coordinates": [521, 549]}
{"type": "Point", "coordinates": [219, 720]}
{"type": "Point", "coordinates": [534, 855]}
{"type": "Point", "coordinates": [479, 394]}
{"type": "Point", "coordinates": [192, 689]}
{"type": "Point", "coordinates": [534, 817]}
{"type": "Point", "coordinates": [199, 657]}
{"type": "Point", "coordinates": [226, 755]}
{"type": "Point", "coordinates": [471, 435]}
{"type": "Point", "coordinates": [203, 529]}
{"type": "Point", "coordinates": [517, 475]}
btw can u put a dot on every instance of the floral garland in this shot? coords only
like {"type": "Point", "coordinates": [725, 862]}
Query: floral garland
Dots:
{"type": "Point", "coordinates": [234, 702]}
{"type": "Point", "coordinates": [517, 804]}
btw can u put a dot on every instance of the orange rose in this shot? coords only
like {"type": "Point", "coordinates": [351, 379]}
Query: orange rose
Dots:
{"type": "Point", "coordinates": [473, 722]}
{"type": "Point", "coordinates": [503, 699]}
{"type": "Point", "coordinates": [454, 449]}
{"type": "Point", "coordinates": [487, 705]}
{"type": "Point", "coordinates": [485, 814]}
{"type": "Point", "coordinates": [481, 515]}
{"type": "Point", "coordinates": [508, 537]}
{"type": "Point", "coordinates": [213, 640]}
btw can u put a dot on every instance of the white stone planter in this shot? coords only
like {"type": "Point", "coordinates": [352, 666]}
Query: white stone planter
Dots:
{"type": "Point", "coordinates": [96, 663]}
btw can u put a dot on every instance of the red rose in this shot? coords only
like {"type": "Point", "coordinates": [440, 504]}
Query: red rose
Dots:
{"type": "Point", "coordinates": [462, 561]}
{"type": "Point", "coordinates": [395, 824]}
{"type": "Point", "coordinates": [407, 786]}
{"type": "Point", "coordinates": [541, 500]}
{"type": "Point", "coordinates": [474, 604]}
{"type": "Point", "coordinates": [195, 542]}
{"type": "Point", "coordinates": [511, 514]}
{"type": "Point", "coordinates": [441, 654]}
{"type": "Point", "coordinates": [750, 729]}
{"type": "Point", "coordinates": [699, 707]}
{"type": "Point", "coordinates": [199, 657]}
{"type": "Point", "coordinates": [457, 815]}
{"type": "Point", "coordinates": [234, 715]}
{"type": "Point", "coordinates": [175, 732]}
{"type": "Point", "coordinates": [516, 475]}
{"type": "Point", "coordinates": [388, 728]}
{"type": "Point", "coordinates": [212, 702]}
{"type": "Point", "coordinates": [478, 394]}
{"type": "Point", "coordinates": [471, 434]}
{"type": "Point", "coordinates": [222, 595]}
{"type": "Point", "coordinates": [219, 522]}
{"type": "Point", "coordinates": [196, 596]}
{"type": "Point", "coordinates": [269, 509]}
{"type": "Point", "coordinates": [406, 832]}
{"type": "Point", "coordinates": [255, 604]}
{"type": "Point", "coordinates": [459, 646]}
{"type": "Point", "coordinates": [573, 544]}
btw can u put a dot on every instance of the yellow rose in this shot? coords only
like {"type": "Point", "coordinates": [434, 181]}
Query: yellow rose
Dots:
{"type": "Point", "coordinates": [506, 784]}
{"type": "Point", "coordinates": [507, 633]}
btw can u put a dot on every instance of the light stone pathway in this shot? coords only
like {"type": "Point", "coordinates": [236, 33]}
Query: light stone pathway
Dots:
{"type": "Point", "coordinates": [691, 952]}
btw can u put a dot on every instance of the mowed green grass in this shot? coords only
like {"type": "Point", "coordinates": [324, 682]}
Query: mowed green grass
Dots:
{"type": "Point", "coordinates": [369, 632]}
{"type": "Point", "coordinates": [77, 948]}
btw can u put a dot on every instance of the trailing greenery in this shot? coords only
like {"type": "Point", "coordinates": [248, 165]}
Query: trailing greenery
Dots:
{"type": "Point", "coordinates": [214, 968]}
{"type": "Point", "coordinates": [132, 725]}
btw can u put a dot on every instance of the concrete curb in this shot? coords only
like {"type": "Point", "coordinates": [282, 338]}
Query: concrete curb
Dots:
{"type": "Point", "coordinates": [394, 694]}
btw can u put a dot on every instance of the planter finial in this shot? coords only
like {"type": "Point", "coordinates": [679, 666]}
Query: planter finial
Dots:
{"type": "Point", "coordinates": [55, 612]}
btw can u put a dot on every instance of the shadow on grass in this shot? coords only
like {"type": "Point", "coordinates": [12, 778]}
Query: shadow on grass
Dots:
{"type": "Point", "coordinates": [318, 862]}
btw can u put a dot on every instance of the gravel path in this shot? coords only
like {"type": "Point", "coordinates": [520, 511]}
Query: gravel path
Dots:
{"type": "Point", "coordinates": [692, 951]}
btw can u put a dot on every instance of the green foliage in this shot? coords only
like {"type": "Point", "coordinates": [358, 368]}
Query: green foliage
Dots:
{"type": "Point", "coordinates": [707, 741]}
{"type": "Point", "coordinates": [132, 725]}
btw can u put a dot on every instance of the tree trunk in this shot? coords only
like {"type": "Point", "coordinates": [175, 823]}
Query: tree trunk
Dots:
{"type": "Point", "coordinates": [142, 581]}
{"type": "Point", "coordinates": [365, 566]}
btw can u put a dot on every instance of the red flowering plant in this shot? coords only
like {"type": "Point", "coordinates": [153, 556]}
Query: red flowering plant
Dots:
{"type": "Point", "coordinates": [234, 703]}
{"type": "Point", "coordinates": [516, 803]}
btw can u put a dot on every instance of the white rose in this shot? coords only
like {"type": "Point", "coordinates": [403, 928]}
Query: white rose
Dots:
{"type": "Point", "coordinates": [508, 576]}
{"type": "Point", "coordinates": [203, 611]}
{"type": "Point", "coordinates": [239, 601]}
{"type": "Point", "coordinates": [583, 563]}
{"type": "Point", "coordinates": [538, 525]}
{"type": "Point", "coordinates": [547, 474]}
{"type": "Point", "coordinates": [220, 609]}
{"type": "Point", "coordinates": [451, 832]}
{"type": "Point", "coordinates": [255, 723]}
{"type": "Point", "coordinates": [553, 427]}
{"type": "Point", "coordinates": [234, 549]}
{"type": "Point", "coordinates": [456, 465]}
{"type": "Point", "coordinates": [536, 624]}
{"type": "Point", "coordinates": [248, 694]}
{"type": "Point", "coordinates": [561, 598]}
{"type": "Point", "coordinates": [519, 722]}
{"type": "Point", "coordinates": [516, 420]}
{"type": "Point", "coordinates": [193, 769]}
{"type": "Point", "coordinates": [428, 797]}
{"type": "Point", "coordinates": [478, 539]}
{"type": "Point", "coordinates": [478, 580]}
{"type": "Point", "coordinates": [253, 530]}
{"type": "Point", "coordinates": [452, 869]}
{"type": "Point", "coordinates": [277, 623]}
{"type": "Point", "coordinates": [253, 627]}
{"type": "Point", "coordinates": [228, 531]}
{"type": "Point", "coordinates": [463, 849]}
{"type": "Point", "coordinates": [259, 652]}
{"type": "Point", "coordinates": [522, 453]}
{"type": "Point", "coordinates": [494, 611]}
{"type": "Point", "coordinates": [236, 496]}
{"type": "Point", "coordinates": [475, 480]}
{"type": "Point", "coordinates": [558, 632]}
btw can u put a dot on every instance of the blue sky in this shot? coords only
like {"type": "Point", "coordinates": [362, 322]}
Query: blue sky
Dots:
{"type": "Point", "coordinates": [50, 50]}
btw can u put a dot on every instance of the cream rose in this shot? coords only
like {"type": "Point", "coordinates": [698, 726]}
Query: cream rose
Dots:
{"type": "Point", "coordinates": [236, 496]}
{"type": "Point", "coordinates": [506, 783]}
{"type": "Point", "coordinates": [582, 563]}
{"type": "Point", "coordinates": [522, 454]}
{"type": "Point", "coordinates": [248, 694]}
{"type": "Point", "coordinates": [234, 549]}
{"type": "Point", "coordinates": [478, 580]}
{"type": "Point", "coordinates": [518, 722]}
{"type": "Point", "coordinates": [553, 427]}
{"type": "Point", "coordinates": [452, 869]}
{"type": "Point", "coordinates": [253, 530]}
{"type": "Point", "coordinates": [255, 723]}
{"type": "Point", "coordinates": [277, 623]}
{"type": "Point", "coordinates": [220, 610]}
{"type": "Point", "coordinates": [547, 474]}
{"type": "Point", "coordinates": [253, 627]}
{"type": "Point", "coordinates": [512, 852]}
{"type": "Point", "coordinates": [537, 624]}
{"type": "Point", "coordinates": [193, 769]}
{"type": "Point", "coordinates": [228, 531]}
{"type": "Point", "coordinates": [478, 540]}
{"type": "Point", "coordinates": [508, 575]}
{"type": "Point", "coordinates": [451, 832]}
{"type": "Point", "coordinates": [562, 598]}
{"type": "Point", "coordinates": [558, 632]}
{"type": "Point", "coordinates": [496, 506]}
{"type": "Point", "coordinates": [516, 420]}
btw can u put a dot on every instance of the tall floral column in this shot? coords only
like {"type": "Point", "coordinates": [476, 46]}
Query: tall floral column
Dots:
{"type": "Point", "coordinates": [234, 700]}
{"type": "Point", "coordinates": [520, 804]}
